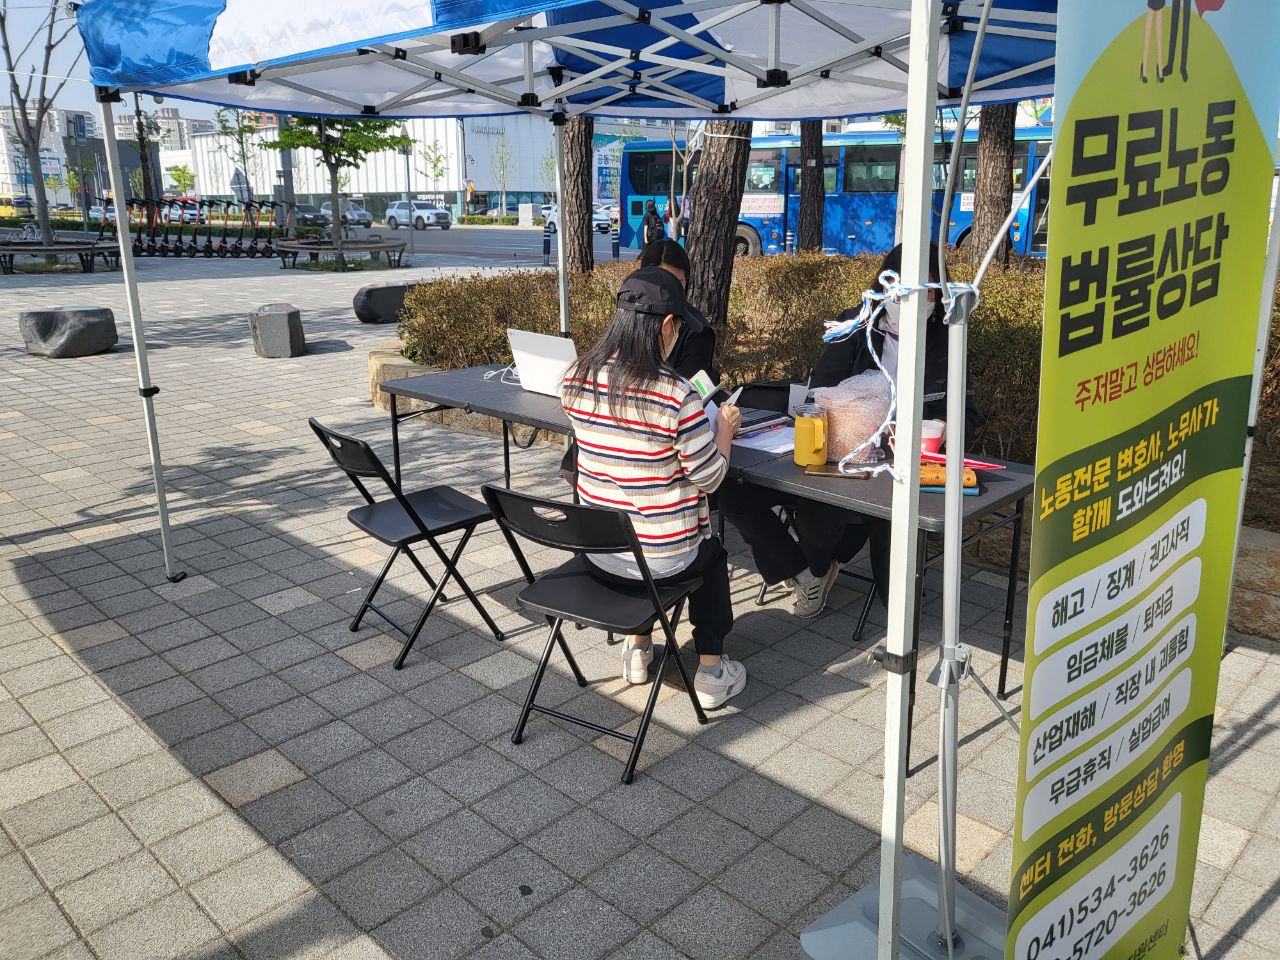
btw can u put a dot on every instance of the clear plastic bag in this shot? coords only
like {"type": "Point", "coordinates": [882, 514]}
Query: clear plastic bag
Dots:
{"type": "Point", "coordinates": [855, 410]}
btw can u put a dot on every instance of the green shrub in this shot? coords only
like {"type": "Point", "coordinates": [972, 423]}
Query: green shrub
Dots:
{"type": "Point", "coordinates": [483, 221]}
{"type": "Point", "coordinates": [58, 223]}
{"type": "Point", "coordinates": [777, 308]}
{"type": "Point", "coordinates": [308, 233]}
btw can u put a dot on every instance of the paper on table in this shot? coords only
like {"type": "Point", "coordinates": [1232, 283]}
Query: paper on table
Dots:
{"type": "Point", "coordinates": [781, 440]}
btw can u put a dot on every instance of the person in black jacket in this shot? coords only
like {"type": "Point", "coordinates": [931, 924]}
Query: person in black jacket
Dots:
{"type": "Point", "coordinates": [696, 346]}
{"type": "Point", "coordinates": [830, 536]}
{"type": "Point", "coordinates": [652, 228]}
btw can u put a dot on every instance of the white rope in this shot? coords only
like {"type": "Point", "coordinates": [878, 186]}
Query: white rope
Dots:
{"type": "Point", "coordinates": [874, 302]}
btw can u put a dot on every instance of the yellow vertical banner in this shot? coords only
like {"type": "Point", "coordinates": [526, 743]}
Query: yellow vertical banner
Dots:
{"type": "Point", "coordinates": [1165, 125]}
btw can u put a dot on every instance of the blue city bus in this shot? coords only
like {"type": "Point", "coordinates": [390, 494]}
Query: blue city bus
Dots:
{"type": "Point", "coordinates": [860, 171]}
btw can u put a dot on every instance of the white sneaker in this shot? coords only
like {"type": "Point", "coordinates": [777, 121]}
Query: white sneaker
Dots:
{"type": "Point", "coordinates": [635, 663]}
{"type": "Point", "coordinates": [715, 691]}
{"type": "Point", "coordinates": [812, 592]}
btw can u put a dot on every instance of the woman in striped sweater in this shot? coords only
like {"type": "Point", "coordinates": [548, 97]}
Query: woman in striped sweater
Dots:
{"type": "Point", "coordinates": [645, 446]}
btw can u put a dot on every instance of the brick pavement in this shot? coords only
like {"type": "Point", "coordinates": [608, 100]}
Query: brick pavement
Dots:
{"type": "Point", "coordinates": [219, 768]}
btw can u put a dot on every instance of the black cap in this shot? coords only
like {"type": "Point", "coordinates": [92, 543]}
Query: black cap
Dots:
{"type": "Point", "coordinates": [652, 290]}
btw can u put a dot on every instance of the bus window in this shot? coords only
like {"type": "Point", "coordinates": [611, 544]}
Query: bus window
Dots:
{"type": "Point", "coordinates": [941, 167]}
{"type": "Point", "coordinates": [764, 171]}
{"type": "Point", "coordinates": [830, 169]}
{"type": "Point", "coordinates": [649, 173]}
{"type": "Point", "coordinates": [639, 169]}
{"type": "Point", "coordinates": [871, 169]}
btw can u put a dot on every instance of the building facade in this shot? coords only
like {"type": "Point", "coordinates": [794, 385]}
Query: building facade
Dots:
{"type": "Point", "coordinates": [478, 160]}
{"type": "Point", "coordinates": [176, 130]}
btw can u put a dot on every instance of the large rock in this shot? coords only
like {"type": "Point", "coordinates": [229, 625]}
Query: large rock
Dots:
{"type": "Point", "coordinates": [68, 331]}
{"type": "Point", "coordinates": [277, 331]}
{"type": "Point", "coordinates": [380, 302]}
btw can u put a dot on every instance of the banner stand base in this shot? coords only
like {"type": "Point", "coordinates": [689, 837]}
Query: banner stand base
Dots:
{"type": "Point", "coordinates": [850, 930]}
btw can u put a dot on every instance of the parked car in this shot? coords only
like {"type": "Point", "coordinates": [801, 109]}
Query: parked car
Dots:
{"type": "Point", "coordinates": [63, 208]}
{"type": "Point", "coordinates": [351, 214]}
{"type": "Point", "coordinates": [513, 210]}
{"type": "Point", "coordinates": [599, 221]}
{"type": "Point", "coordinates": [95, 214]}
{"type": "Point", "coordinates": [191, 213]}
{"type": "Point", "coordinates": [419, 214]}
{"type": "Point", "coordinates": [306, 215]}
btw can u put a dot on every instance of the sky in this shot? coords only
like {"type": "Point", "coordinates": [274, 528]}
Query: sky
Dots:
{"type": "Point", "coordinates": [27, 15]}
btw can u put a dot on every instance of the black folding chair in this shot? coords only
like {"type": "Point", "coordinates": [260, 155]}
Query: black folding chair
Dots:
{"type": "Point", "coordinates": [571, 593]}
{"type": "Point", "coordinates": [403, 520]}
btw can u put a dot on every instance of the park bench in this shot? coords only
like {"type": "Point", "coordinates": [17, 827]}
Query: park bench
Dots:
{"type": "Point", "coordinates": [375, 246]}
{"type": "Point", "coordinates": [87, 252]}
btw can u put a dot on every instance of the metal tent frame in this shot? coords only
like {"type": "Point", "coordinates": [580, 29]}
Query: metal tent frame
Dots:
{"type": "Point", "coordinates": [547, 63]}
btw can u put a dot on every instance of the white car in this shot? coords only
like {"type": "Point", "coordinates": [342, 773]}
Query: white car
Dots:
{"type": "Point", "coordinates": [418, 214]}
{"type": "Point", "coordinates": [600, 221]}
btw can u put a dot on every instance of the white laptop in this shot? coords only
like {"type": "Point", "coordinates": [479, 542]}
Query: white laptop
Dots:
{"type": "Point", "coordinates": [540, 360]}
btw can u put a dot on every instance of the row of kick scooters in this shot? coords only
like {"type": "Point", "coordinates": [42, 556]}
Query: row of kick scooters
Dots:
{"type": "Point", "coordinates": [151, 222]}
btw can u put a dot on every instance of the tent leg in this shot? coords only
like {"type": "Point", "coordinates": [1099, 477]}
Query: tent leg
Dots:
{"type": "Point", "coordinates": [922, 91]}
{"type": "Point", "coordinates": [145, 389]}
{"type": "Point", "coordinates": [562, 257]}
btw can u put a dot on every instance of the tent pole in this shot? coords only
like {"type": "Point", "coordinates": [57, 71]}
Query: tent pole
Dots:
{"type": "Point", "coordinates": [922, 94]}
{"type": "Point", "coordinates": [562, 256]}
{"type": "Point", "coordinates": [120, 200]}
{"type": "Point", "coordinates": [1259, 362]}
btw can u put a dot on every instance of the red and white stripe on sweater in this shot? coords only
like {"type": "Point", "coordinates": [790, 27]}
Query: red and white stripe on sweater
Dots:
{"type": "Point", "coordinates": [654, 457]}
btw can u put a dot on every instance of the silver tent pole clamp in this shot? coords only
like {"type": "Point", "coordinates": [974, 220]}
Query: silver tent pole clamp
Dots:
{"type": "Point", "coordinates": [146, 389]}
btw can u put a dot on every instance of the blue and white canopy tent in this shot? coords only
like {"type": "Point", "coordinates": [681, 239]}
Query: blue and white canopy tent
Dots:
{"type": "Point", "coordinates": [672, 59]}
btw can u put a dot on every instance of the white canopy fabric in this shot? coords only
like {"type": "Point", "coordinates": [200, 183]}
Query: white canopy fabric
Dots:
{"type": "Point", "coordinates": [691, 59]}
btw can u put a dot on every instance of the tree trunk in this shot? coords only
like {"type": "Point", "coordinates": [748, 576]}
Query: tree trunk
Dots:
{"type": "Point", "coordinates": [144, 150]}
{"type": "Point", "coordinates": [812, 187]}
{"type": "Point", "coordinates": [993, 188]}
{"type": "Point", "coordinates": [41, 197]}
{"type": "Point", "coordinates": [336, 228]}
{"type": "Point", "coordinates": [713, 206]}
{"type": "Point", "coordinates": [575, 206]}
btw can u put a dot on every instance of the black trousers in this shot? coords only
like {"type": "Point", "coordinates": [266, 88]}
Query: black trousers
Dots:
{"type": "Point", "coordinates": [710, 605]}
{"type": "Point", "coordinates": [825, 533]}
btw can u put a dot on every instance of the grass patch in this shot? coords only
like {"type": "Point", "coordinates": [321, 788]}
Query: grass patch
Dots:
{"type": "Point", "coordinates": [331, 265]}
{"type": "Point", "coordinates": [35, 266]}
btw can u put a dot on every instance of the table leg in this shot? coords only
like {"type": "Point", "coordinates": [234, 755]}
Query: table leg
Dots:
{"type": "Point", "coordinates": [1011, 595]}
{"type": "Point", "coordinates": [506, 453]}
{"type": "Point", "coordinates": [922, 544]}
{"type": "Point", "coordinates": [395, 438]}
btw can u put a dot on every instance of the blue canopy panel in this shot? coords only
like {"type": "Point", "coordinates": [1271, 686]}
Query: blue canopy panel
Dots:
{"type": "Point", "coordinates": [688, 59]}
{"type": "Point", "coordinates": [1017, 55]}
{"type": "Point", "coordinates": [159, 42]}
{"type": "Point", "coordinates": [635, 36]}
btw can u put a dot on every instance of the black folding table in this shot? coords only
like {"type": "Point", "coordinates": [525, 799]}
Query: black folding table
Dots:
{"type": "Point", "coordinates": [1001, 502]}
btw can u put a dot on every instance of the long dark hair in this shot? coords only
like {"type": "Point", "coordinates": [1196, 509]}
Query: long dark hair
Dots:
{"type": "Point", "coordinates": [633, 342]}
{"type": "Point", "coordinates": [893, 261]}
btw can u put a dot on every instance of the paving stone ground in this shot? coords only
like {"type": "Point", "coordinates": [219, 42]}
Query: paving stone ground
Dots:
{"type": "Point", "coordinates": [220, 768]}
